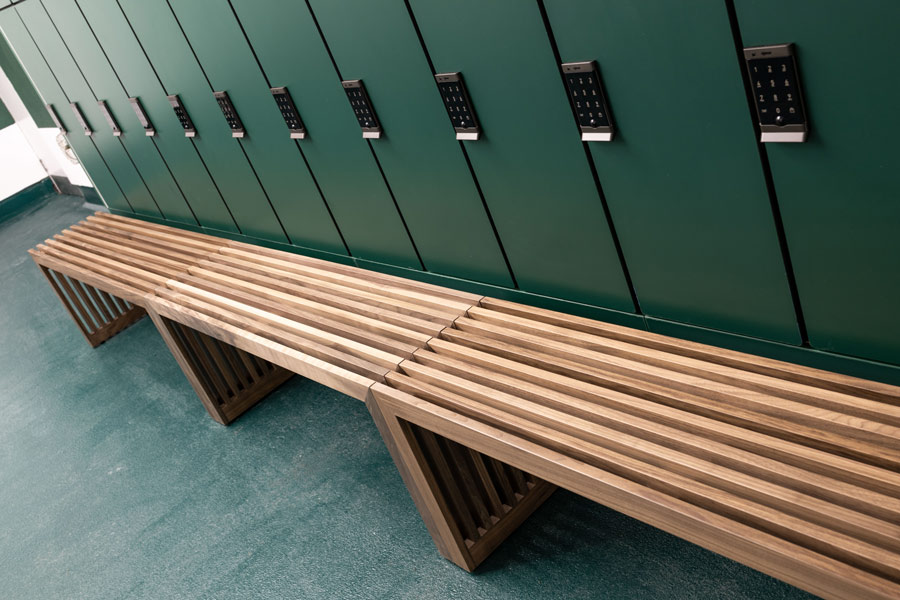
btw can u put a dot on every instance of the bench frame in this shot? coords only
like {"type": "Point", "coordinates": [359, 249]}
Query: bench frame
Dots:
{"type": "Point", "coordinates": [396, 412]}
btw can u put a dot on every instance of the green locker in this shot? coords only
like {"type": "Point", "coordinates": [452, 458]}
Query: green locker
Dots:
{"type": "Point", "coordinates": [530, 163]}
{"type": "Point", "coordinates": [101, 79]}
{"type": "Point", "coordinates": [23, 86]}
{"type": "Point", "coordinates": [682, 176]}
{"type": "Point", "coordinates": [839, 191]}
{"type": "Point", "coordinates": [40, 74]}
{"type": "Point", "coordinates": [291, 53]}
{"type": "Point", "coordinates": [137, 77]}
{"type": "Point", "coordinates": [66, 72]}
{"type": "Point", "coordinates": [160, 36]}
{"type": "Point", "coordinates": [422, 160]}
{"type": "Point", "coordinates": [278, 163]}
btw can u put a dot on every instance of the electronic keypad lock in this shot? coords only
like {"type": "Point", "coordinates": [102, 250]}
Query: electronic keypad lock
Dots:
{"type": "Point", "coordinates": [588, 101]}
{"type": "Point", "coordinates": [775, 83]}
{"type": "Point", "coordinates": [289, 112]}
{"type": "Point", "coordinates": [458, 105]}
{"type": "Point", "coordinates": [234, 121]}
{"type": "Point", "coordinates": [362, 108]}
{"type": "Point", "coordinates": [183, 117]}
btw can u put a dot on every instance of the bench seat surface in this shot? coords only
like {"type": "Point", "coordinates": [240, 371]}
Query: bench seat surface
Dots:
{"type": "Point", "coordinates": [789, 469]}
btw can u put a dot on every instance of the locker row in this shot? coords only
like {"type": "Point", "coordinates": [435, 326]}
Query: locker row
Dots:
{"type": "Point", "coordinates": [684, 218]}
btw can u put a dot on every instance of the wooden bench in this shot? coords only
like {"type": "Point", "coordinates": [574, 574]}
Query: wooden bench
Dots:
{"type": "Point", "coordinates": [241, 319]}
{"type": "Point", "coordinates": [486, 405]}
{"type": "Point", "coordinates": [790, 470]}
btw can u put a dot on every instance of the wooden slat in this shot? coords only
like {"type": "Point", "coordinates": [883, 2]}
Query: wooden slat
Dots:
{"type": "Point", "coordinates": [828, 577]}
{"type": "Point", "coordinates": [361, 329]}
{"type": "Point", "coordinates": [835, 478]}
{"type": "Point", "coordinates": [813, 396]}
{"type": "Point", "coordinates": [465, 298]}
{"type": "Point", "coordinates": [875, 439]}
{"type": "Point", "coordinates": [329, 372]}
{"type": "Point", "coordinates": [442, 317]}
{"type": "Point", "coordinates": [250, 314]}
{"type": "Point", "coordinates": [632, 441]}
{"type": "Point", "coordinates": [386, 314]}
{"type": "Point", "coordinates": [781, 370]}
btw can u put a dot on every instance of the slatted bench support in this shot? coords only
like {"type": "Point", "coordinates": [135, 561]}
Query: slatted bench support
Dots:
{"type": "Point", "coordinates": [470, 502]}
{"type": "Point", "coordinates": [98, 314]}
{"type": "Point", "coordinates": [228, 380]}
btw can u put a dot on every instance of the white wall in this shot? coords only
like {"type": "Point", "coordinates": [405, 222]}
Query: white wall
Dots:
{"type": "Point", "coordinates": [28, 145]}
{"type": "Point", "coordinates": [19, 165]}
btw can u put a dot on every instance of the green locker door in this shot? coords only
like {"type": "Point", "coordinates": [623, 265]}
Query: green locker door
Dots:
{"type": "Point", "coordinates": [137, 76]}
{"type": "Point", "coordinates": [290, 50]}
{"type": "Point", "coordinates": [77, 37]}
{"type": "Point", "coordinates": [422, 160]}
{"type": "Point", "coordinates": [530, 164]}
{"type": "Point", "coordinates": [40, 74]}
{"type": "Point", "coordinates": [160, 36]}
{"type": "Point", "coordinates": [683, 177]}
{"type": "Point", "coordinates": [66, 72]}
{"type": "Point", "coordinates": [228, 62]}
{"type": "Point", "coordinates": [839, 192]}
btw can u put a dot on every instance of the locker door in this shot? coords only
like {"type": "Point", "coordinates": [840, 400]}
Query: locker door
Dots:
{"type": "Point", "coordinates": [42, 77]}
{"type": "Point", "coordinates": [291, 53]}
{"type": "Point", "coordinates": [219, 44]}
{"type": "Point", "coordinates": [683, 176]}
{"type": "Point", "coordinates": [77, 37]}
{"type": "Point", "coordinates": [530, 164]}
{"type": "Point", "coordinates": [422, 160]}
{"type": "Point", "coordinates": [66, 73]}
{"type": "Point", "coordinates": [137, 76]}
{"type": "Point", "coordinates": [839, 190]}
{"type": "Point", "coordinates": [162, 40]}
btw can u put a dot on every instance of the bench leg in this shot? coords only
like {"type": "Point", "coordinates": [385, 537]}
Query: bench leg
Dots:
{"type": "Point", "coordinates": [99, 315]}
{"type": "Point", "coordinates": [469, 501]}
{"type": "Point", "coordinates": [228, 380]}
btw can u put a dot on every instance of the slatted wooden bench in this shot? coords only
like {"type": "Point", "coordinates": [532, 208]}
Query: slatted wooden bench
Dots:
{"type": "Point", "coordinates": [241, 319]}
{"type": "Point", "coordinates": [488, 405]}
{"type": "Point", "coordinates": [790, 470]}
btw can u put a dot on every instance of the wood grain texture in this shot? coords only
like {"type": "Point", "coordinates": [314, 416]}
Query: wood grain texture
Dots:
{"type": "Point", "coordinates": [793, 471]}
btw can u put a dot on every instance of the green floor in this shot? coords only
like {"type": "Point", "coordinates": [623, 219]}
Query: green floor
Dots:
{"type": "Point", "coordinates": [114, 483]}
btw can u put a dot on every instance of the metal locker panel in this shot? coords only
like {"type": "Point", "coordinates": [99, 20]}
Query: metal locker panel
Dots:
{"type": "Point", "coordinates": [66, 73]}
{"type": "Point", "coordinates": [46, 84]}
{"type": "Point", "coordinates": [161, 38]}
{"type": "Point", "coordinates": [291, 52]}
{"type": "Point", "coordinates": [530, 163]}
{"type": "Point", "coordinates": [839, 191]}
{"type": "Point", "coordinates": [422, 160]}
{"type": "Point", "coordinates": [139, 80]}
{"type": "Point", "coordinates": [228, 62]}
{"type": "Point", "coordinates": [683, 176]}
{"type": "Point", "coordinates": [92, 63]}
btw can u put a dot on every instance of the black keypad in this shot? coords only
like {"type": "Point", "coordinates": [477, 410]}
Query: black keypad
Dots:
{"type": "Point", "coordinates": [183, 117]}
{"type": "Point", "coordinates": [231, 116]}
{"type": "Point", "coordinates": [362, 106]}
{"type": "Point", "coordinates": [288, 111]}
{"type": "Point", "coordinates": [587, 98]}
{"type": "Point", "coordinates": [776, 91]}
{"type": "Point", "coordinates": [456, 101]}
